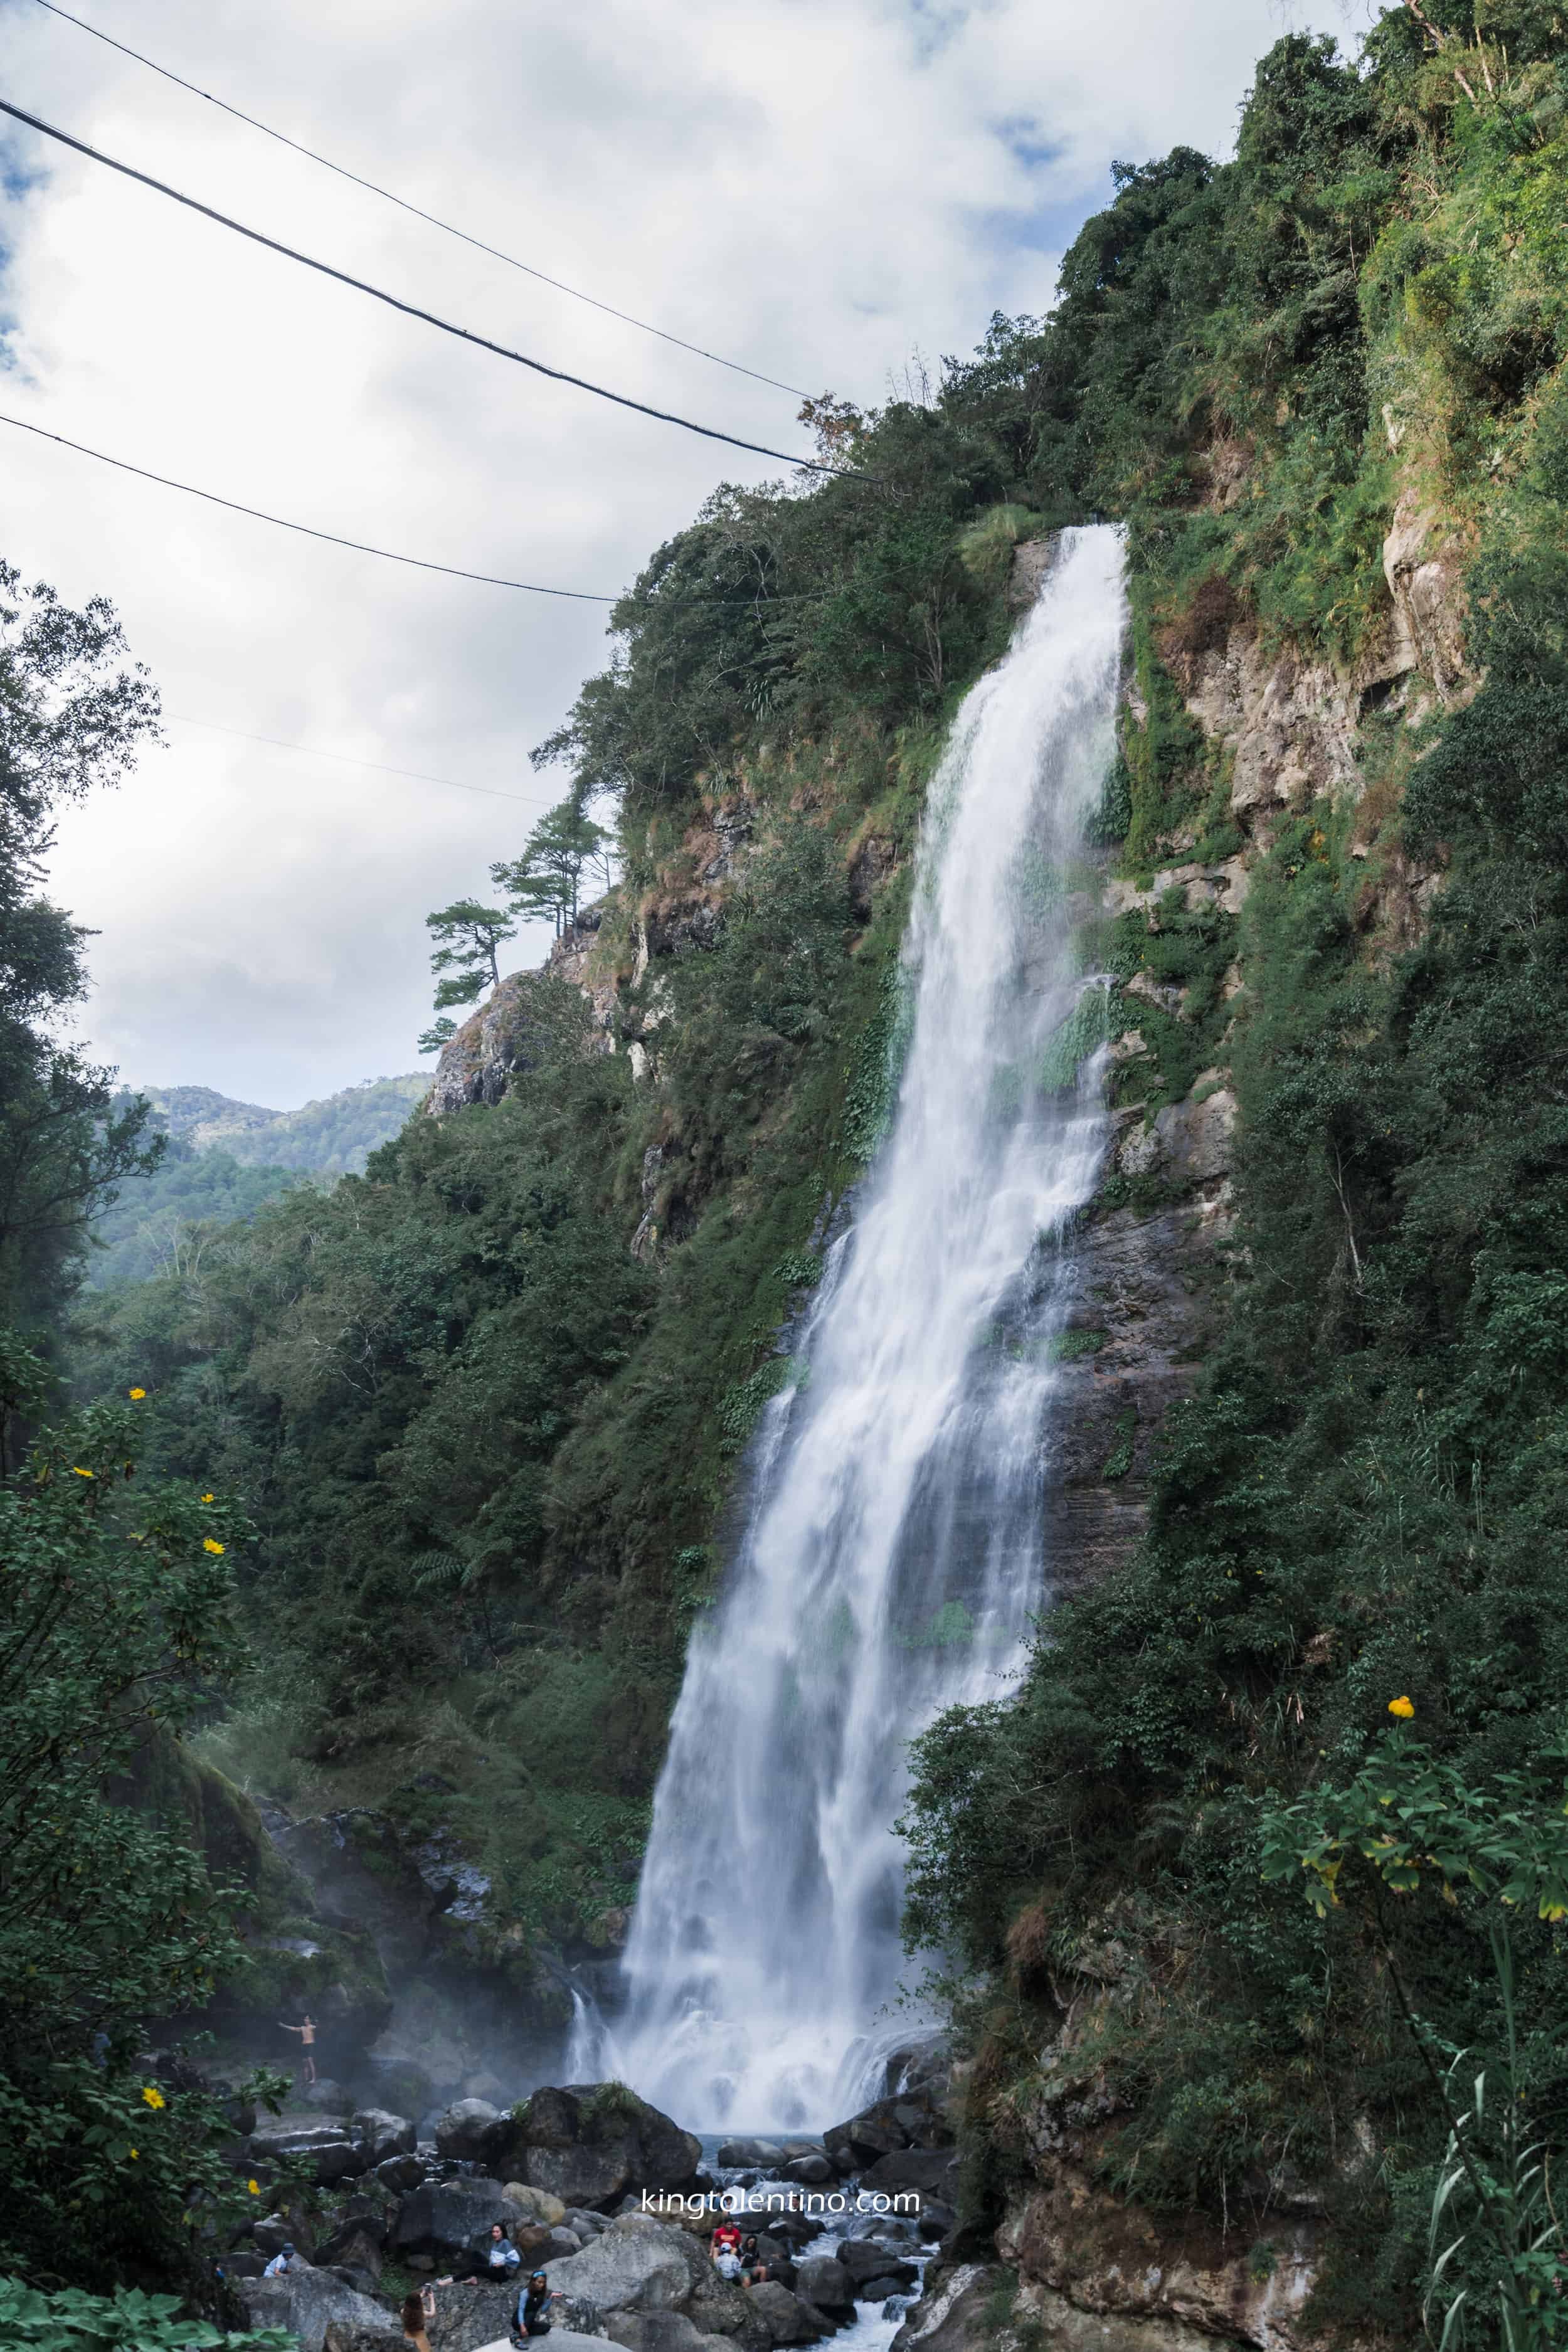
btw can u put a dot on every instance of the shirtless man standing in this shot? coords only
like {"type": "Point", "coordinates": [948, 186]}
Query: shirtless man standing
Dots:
{"type": "Point", "coordinates": [307, 2033]}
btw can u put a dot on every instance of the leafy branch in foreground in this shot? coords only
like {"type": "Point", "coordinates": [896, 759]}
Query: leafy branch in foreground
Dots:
{"type": "Point", "coordinates": [114, 1626]}
{"type": "Point", "coordinates": [1406, 1821]}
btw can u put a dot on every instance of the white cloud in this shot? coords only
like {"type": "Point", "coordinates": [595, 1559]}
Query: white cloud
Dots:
{"type": "Point", "coordinates": [814, 186]}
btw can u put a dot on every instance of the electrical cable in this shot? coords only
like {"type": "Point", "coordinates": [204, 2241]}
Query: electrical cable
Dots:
{"type": "Point", "coordinates": [453, 571]}
{"type": "Point", "coordinates": [418, 211]}
{"type": "Point", "coordinates": [314, 751]}
{"type": "Point", "coordinates": [363, 547]}
{"type": "Point", "coordinates": [413, 311]}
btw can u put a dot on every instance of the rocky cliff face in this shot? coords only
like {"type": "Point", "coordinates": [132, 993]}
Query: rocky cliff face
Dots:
{"type": "Point", "coordinates": [500, 1039]}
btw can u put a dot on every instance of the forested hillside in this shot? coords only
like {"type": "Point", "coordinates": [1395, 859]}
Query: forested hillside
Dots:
{"type": "Point", "coordinates": [476, 1415]}
{"type": "Point", "coordinates": [221, 1160]}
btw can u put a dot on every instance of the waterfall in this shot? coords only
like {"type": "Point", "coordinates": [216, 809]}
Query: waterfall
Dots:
{"type": "Point", "coordinates": [892, 1561]}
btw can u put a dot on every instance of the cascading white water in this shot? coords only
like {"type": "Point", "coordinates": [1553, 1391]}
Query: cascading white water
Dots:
{"type": "Point", "coordinates": [892, 1559]}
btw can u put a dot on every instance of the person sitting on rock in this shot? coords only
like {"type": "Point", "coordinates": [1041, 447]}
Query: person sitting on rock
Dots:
{"type": "Point", "coordinates": [280, 2262]}
{"type": "Point", "coordinates": [754, 2263]}
{"type": "Point", "coordinates": [307, 2033]}
{"type": "Point", "coordinates": [502, 2257]}
{"type": "Point", "coordinates": [726, 2239]}
{"type": "Point", "coordinates": [533, 2308]}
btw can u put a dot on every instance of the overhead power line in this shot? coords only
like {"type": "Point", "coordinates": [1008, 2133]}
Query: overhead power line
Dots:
{"type": "Point", "coordinates": [411, 310]}
{"type": "Point", "coordinates": [420, 563]}
{"type": "Point", "coordinates": [314, 751]}
{"type": "Point", "coordinates": [388, 555]}
{"type": "Point", "coordinates": [417, 210]}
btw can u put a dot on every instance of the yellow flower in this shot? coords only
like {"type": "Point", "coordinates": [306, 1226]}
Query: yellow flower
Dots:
{"type": "Point", "coordinates": [80, 1471]}
{"type": "Point", "coordinates": [1403, 1708]}
{"type": "Point", "coordinates": [153, 2096]}
{"type": "Point", "coordinates": [208, 1545]}
{"type": "Point", "coordinates": [133, 2156]}
{"type": "Point", "coordinates": [206, 1499]}
{"type": "Point", "coordinates": [136, 1395]}
{"type": "Point", "coordinates": [254, 2186]}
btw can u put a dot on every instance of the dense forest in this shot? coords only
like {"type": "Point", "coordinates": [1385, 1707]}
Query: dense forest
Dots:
{"type": "Point", "coordinates": [470, 1422]}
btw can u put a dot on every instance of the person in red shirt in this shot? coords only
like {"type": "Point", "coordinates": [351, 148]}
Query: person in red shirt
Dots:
{"type": "Point", "coordinates": [726, 2240]}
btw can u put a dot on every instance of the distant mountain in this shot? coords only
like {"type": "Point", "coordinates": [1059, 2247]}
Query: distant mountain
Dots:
{"type": "Point", "coordinates": [225, 1160]}
{"type": "Point", "coordinates": [330, 1138]}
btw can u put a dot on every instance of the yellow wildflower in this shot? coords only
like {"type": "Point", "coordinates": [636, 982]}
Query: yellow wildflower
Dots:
{"type": "Point", "coordinates": [153, 2096]}
{"type": "Point", "coordinates": [80, 1471]}
{"type": "Point", "coordinates": [208, 1545]}
{"type": "Point", "coordinates": [133, 2156]}
{"type": "Point", "coordinates": [206, 1499]}
{"type": "Point", "coordinates": [136, 1395]}
{"type": "Point", "coordinates": [1403, 1708]}
{"type": "Point", "coordinates": [254, 2186]}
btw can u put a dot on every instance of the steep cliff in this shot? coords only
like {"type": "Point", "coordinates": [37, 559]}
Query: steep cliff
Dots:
{"type": "Point", "coordinates": [488, 1404]}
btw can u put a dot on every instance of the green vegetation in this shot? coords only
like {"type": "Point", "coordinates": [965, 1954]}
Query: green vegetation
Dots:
{"type": "Point", "coordinates": [486, 1451]}
{"type": "Point", "coordinates": [117, 1621]}
{"type": "Point", "coordinates": [69, 719]}
{"type": "Point", "coordinates": [1367, 1498]}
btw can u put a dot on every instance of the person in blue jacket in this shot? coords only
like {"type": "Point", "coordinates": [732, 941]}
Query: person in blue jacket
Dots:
{"type": "Point", "coordinates": [533, 2308]}
{"type": "Point", "coordinates": [502, 2257]}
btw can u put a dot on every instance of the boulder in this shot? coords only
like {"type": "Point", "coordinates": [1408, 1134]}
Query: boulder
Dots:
{"type": "Point", "coordinates": [660, 2331]}
{"type": "Point", "coordinates": [452, 2218]}
{"type": "Point", "coordinates": [626, 2270]}
{"type": "Point", "coordinates": [590, 2143]}
{"type": "Point", "coordinates": [465, 2132]}
{"type": "Point", "coordinates": [864, 2259]}
{"type": "Point", "coordinates": [812, 2169]}
{"type": "Point", "coordinates": [788, 2319]}
{"type": "Point", "coordinates": [382, 2134]}
{"type": "Point", "coordinates": [914, 2118]}
{"type": "Point", "coordinates": [735, 2152]}
{"type": "Point", "coordinates": [880, 2290]}
{"type": "Point", "coordinates": [952, 2315]}
{"type": "Point", "coordinates": [355, 2246]}
{"type": "Point", "coordinates": [343, 2335]}
{"type": "Point", "coordinates": [536, 2204]}
{"type": "Point", "coordinates": [242, 2263]}
{"type": "Point", "coordinates": [930, 2171]}
{"type": "Point", "coordinates": [308, 2301]}
{"type": "Point", "coordinates": [825, 2283]}
{"type": "Point", "coordinates": [400, 2173]}
{"type": "Point", "coordinates": [581, 2218]}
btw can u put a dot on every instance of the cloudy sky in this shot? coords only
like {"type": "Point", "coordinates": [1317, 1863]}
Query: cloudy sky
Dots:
{"type": "Point", "coordinates": [817, 188]}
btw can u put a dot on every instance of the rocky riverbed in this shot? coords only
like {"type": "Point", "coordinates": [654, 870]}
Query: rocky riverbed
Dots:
{"type": "Point", "coordinates": [614, 2201]}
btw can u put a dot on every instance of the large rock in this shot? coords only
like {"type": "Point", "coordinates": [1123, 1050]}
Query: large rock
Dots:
{"type": "Point", "coordinates": [825, 2283]}
{"type": "Point", "coordinates": [536, 2204]}
{"type": "Point", "coordinates": [660, 2331]}
{"type": "Point", "coordinates": [331, 2155]}
{"type": "Point", "coordinates": [627, 2269]}
{"type": "Point", "coordinates": [466, 2132]}
{"type": "Point", "coordinates": [951, 2316]}
{"type": "Point", "coordinates": [734, 2153]}
{"type": "Point", "coordinates": [906, 2119]}
{"type": "Point", "coordinates": [381, 2134]}
{"type": "Point", "coordinates": [864, 2259]}
{"type": "Point", "coordinates": [307, 2301]}
{"type": "Point", "coordinates": [914, 2172]}
{"type": "Point", "coordinates": [449, 2218]}
{"type": "Point", "coordinates": [789, 2320]}
{"type": "Point", "coordinates": [589, 2143]}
